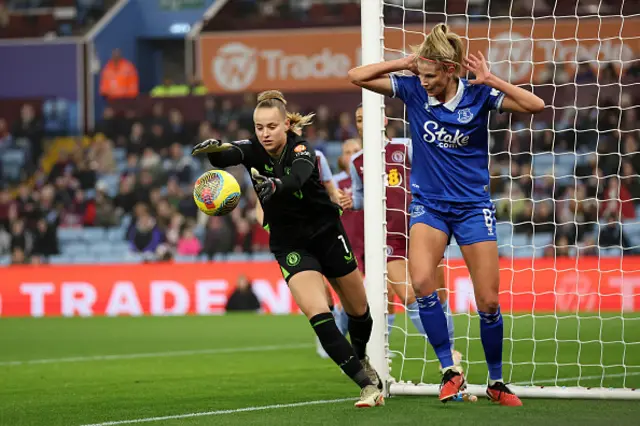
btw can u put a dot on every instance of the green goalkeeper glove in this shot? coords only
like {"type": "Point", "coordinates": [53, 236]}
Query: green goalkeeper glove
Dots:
{"type": "Point", "coordinates": [210, 146]}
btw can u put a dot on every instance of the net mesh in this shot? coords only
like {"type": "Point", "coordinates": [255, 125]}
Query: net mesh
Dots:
{"type": "Point", "coordinates": [566, 188]}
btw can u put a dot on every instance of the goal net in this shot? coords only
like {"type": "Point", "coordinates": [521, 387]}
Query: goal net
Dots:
{"type": "Point", "coordinates": [566, 188]}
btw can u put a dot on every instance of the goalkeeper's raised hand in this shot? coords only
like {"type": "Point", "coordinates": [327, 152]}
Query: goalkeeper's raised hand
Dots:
{"type": "Point", "coordinates": [210, 146]}
{"type": "Point", "coordinates": [265, 186]}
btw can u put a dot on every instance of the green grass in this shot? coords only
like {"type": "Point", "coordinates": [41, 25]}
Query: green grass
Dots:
{"type": "Point", "coordinates": [83, 392]}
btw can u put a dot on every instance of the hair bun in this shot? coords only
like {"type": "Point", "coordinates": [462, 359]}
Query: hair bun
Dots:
{"type": "Point", "coordinates": [271, 94]}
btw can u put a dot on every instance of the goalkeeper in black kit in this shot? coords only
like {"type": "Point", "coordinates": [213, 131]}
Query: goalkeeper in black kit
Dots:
{"type": "Point", "coordinates": [306, 234]}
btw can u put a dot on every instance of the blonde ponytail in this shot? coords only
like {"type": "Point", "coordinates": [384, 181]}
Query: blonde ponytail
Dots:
{"type": "Point", "coordinates": [442, 45]}
{"type": "Point", "coordinates": [299, 121]}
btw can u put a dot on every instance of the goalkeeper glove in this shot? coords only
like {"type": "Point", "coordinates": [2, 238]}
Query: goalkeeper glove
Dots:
{"type": "Point", "coordinates": [265, 186]}
{"type": "Point", "coordinates": [210, 146]}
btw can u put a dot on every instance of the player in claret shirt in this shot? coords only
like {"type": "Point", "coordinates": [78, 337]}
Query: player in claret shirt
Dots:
{"type": "Point", "coordinates": [398, 153]}
{"type": "Point", "coordinates": [306, 235]}
{"type": "Point", "coordinates": [448, 116]}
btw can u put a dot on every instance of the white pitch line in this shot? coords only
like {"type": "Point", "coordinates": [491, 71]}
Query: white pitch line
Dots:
{"type": "Point", "coordinates": [157, 354]}
{"type": "Point", "coordinates": [219, 412]}
{"type": "Point", "coordinates": [575, 379]}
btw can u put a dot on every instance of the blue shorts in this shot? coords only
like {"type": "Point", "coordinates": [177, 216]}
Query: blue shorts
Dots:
{"type": "Point", "coordinates": [469, 223]}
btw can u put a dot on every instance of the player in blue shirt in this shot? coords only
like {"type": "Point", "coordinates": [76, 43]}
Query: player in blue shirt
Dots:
{"type": "Point", "coordinates": [448, 116]}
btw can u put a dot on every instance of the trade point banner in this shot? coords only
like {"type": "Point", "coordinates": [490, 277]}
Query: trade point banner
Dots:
{"type": "Point", "coordinates": [319, 59]}
{"type": "Point", "coordinates": [527, 285]}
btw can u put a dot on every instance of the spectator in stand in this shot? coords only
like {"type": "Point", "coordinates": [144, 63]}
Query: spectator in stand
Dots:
{"type": "Point", "coordinates": [143, 186]}
{"type": "Point", "coordinates": [28, 132]}
{"type": "Point", "coordinates": [177, 130]}
{"type": "Point", "coordinates": [631, 181]}
{"type": "Point", "coordinates": [27, 207]}
{"type": "Point", "coordinates": [174, 193]}
{"type": "Point", "coordinates": [119, 78]}
{"type": "Point", "coordinates": [164, 213]}
{"type": "Point", "coordinates": [151, 162]}
{"type": "Point", "coordinates": [5, 241]}
{"type": "Point", "coordinates": [81, 211]}
{"type": "Point", "coordinates": [174, 229]}
{"type": "Point", "coordinates": [137, 139]}
{"type": "Point", "coordinates": [105, 210]}
{"type": "Point", "coordinates": [188, 244]}
{"type": "Point", "coordinates": [157, 116]}
{"type": "Point", "coordinates": [178, 165]}
{"type": "Point", "coordinates": [85, 175]}
{"type": "Point", "coordinates": [211, 111]}
{"type": "Point", "coordinates": [100, 155]}
{"type": "Point", "coordinates": [617, 201]}
{"type": "Point", "coordinates": [205, 131]}
{"type": "Point", "coordinates": [158, 139]}
{"type": "Point", "coordinates": [232, 131]}
{"type": "Point", "coordinates": [18, 257]}
{"type": "Point", "coordinates": [227, 114]}
{"type": "Point", "coordinates": [245, 116]}
{"type": "Point", "coordinates": [631, 149]}
{"type": "Point", "coordinates": [6, 206]}
{"type": "Point", "coordinates": [110, 125]}
{"type": "Point", "coordinates": [243, 299]}
{"type": "Point", "coordinates": [219, 236]}
{"type": "Point", "coordinates": [45, 242]}
{"type": "Point", "coordinates": [145, 236]}
{"type": "Point", "coordinates": [346, 128]}
{"type": "Point", "coordinates": [21, 239]}
{"type": "Point", "coordinates": [133, 165]}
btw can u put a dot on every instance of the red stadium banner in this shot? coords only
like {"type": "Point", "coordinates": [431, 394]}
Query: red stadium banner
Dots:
{"type": "Point", "coordinates": [318, 59]}
{"type": "Point", "coordinates": [527, 285]}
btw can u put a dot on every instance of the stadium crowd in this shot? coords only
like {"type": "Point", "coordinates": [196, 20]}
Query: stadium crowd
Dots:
{"type": "Point", "coordinates": [566, 183]}
{"type": "Point", "coordinates": [136, 170]}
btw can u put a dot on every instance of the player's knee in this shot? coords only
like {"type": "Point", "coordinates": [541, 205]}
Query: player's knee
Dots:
{"type": "Point", "coordinates": [424, 287]}
{"type": "Point", "coordinates": [488, 303]}
{"type": "Point", "coordinates": [423, 281]}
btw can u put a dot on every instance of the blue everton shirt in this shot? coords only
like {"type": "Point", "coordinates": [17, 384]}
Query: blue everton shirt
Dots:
{"type": "Point", "coordinates": [450, 140]}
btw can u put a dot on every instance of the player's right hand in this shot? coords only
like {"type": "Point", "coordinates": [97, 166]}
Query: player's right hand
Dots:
{"type": "Point", "coordinates": [410, 63]}
{"type": "Point", "coordinates": [209, 146]}
{"type": "Point", "coordinates": [345, 200]}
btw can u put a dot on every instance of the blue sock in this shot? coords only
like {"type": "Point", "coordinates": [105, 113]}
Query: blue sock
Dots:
{"type": "Point", "coordinates": [491, 334]}
{"type": "Point", "coordinates": [342, 321]}
{"type": "Point", "coordinates": [414, 316]}
{"type": "Point", "coordinates": [434, 322]}
{"type": "Point", "coordinates": [447, 311]}
{"type": "Point", "coordinates": [391, 318]}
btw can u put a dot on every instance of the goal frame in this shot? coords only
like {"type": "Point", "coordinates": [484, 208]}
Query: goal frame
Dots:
{"type": "Point", "coordinates": [372, 31]}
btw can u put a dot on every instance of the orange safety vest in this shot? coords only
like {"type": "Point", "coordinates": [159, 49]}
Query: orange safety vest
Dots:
{"type": "Point", "coordinates": [119, 80]}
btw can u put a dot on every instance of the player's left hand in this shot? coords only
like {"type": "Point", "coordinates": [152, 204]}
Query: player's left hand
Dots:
{"type": "Point", "coordinates": [265, 186]}
{"type": "Point", "coordinates": [478, 66]}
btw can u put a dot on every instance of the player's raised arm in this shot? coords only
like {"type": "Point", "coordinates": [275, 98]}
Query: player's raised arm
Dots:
{"type": "Point", "coordinates": [375, 77]}
{"type": "Point", "coordinates": [223, 154]}
{"type": "Point", "coordinates": [516, 99]}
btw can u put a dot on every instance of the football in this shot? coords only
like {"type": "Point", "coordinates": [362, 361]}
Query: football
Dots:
{"type": "Point", "coordinates": [216, 193]}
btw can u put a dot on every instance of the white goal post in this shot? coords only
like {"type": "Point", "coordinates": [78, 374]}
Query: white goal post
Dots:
{"type": "Point", "coordinates": [570, 336]}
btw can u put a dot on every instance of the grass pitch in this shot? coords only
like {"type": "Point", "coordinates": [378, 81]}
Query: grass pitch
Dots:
{"type": "Point", "coordinates": [263, 370]}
